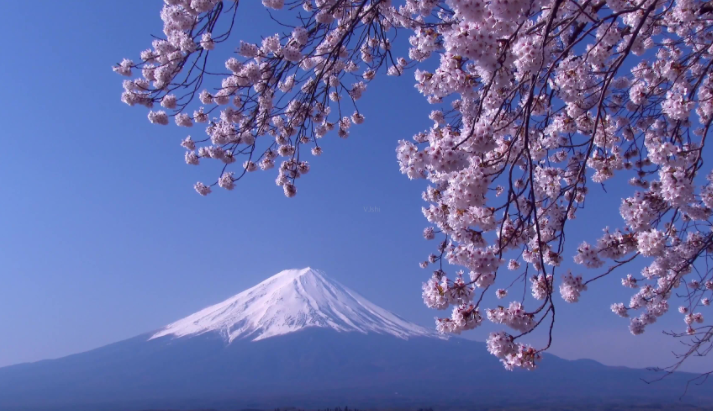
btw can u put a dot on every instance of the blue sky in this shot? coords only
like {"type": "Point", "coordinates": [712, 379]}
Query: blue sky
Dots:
{"type": "Point", "coordinates": [104, 237]}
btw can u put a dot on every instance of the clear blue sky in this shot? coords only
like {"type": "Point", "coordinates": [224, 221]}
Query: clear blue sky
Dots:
{"type": "Point", "coordinates": [103, 237]}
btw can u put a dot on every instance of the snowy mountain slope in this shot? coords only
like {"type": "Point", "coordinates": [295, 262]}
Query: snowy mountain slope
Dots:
{"type": "Point", "coordinates": [290, 301]}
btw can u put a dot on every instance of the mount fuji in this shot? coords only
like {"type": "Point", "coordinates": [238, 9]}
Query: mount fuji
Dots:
{"type": "Point", "coordinates": [291, 301]}
{"type": "Point", "coordinates": [300, 338]}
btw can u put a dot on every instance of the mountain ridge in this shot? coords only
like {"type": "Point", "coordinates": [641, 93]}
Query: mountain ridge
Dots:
{"type": "Point", "coordinates": [315, 367]}
{"type": "Point", "coordinates": [310, 356]}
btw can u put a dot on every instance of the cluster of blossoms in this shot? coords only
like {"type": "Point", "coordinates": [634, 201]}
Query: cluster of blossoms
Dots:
{"type": "Point", "coordinates": [511, 354]}
{"type": "Point", "coordinates": [289, 91]}
{"type": "Point", "coordinates": [535, 103]}
{"type": "Point", "coordinates": [537, 100]}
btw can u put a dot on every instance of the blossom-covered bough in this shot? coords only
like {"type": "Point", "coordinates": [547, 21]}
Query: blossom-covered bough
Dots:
{"type": "Point", "coordinates": [536, 101]}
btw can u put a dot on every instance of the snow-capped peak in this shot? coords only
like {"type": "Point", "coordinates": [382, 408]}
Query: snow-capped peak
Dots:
{"type": "Point", "coordinates": [290, 301]}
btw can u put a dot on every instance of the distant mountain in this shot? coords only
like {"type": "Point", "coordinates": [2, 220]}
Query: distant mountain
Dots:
{"type": "Point", "coordinates": [301, 339]}
{"type": "Point", "coordinates": [290, 301]}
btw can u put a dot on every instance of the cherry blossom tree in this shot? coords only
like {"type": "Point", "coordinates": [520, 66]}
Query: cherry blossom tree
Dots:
{"type": "Point", "coordinates": [535, 102]}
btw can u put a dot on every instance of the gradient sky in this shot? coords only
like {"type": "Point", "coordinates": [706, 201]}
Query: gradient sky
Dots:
{"type": "Point", "coordinates": [103, 237]}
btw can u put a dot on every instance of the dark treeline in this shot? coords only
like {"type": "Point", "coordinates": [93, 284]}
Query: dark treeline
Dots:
{"type": "Point", "coordinates": [337, 409]}
{"type": "Point", "coordinates": [525, 407]}
{"type": "Point", "coordinates": [299, 409]}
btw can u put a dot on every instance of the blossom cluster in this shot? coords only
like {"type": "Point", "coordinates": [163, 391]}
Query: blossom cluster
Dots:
{"type": "Point", "coordinates": [536, 116]}
{"type": "Point", "coordinates": [289, 91]}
